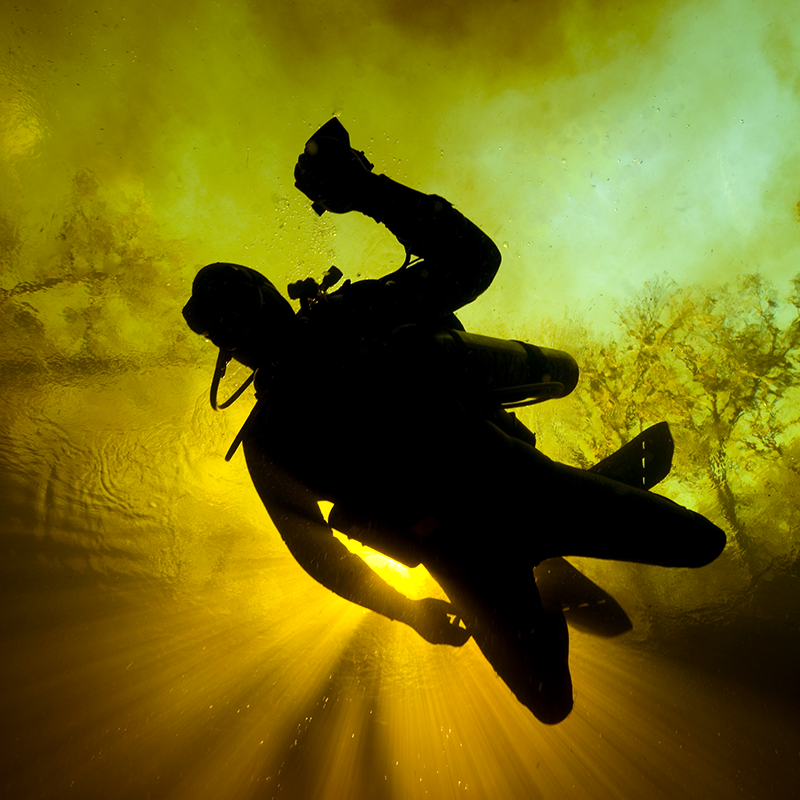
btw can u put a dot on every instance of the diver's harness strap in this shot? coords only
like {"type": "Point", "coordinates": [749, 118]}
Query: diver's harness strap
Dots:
{"type": "Point", "coordinates": [243, 430]}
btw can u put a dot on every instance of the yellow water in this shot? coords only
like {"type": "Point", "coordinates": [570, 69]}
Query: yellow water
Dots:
{"type": "Point", "coordinates": [636, 162]}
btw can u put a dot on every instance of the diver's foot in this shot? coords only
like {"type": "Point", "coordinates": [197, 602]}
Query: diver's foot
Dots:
{"type": "Point", "coordinates": [329, 172]}
{"type": "Point", "coordinates": [549, 691]}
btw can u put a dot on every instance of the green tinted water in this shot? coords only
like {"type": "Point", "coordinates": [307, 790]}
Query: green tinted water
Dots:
{"type": "Point", "coordinates": [637, 165]}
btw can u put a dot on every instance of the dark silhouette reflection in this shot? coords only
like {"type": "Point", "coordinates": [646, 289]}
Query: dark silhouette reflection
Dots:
{"type": "Point", "coordinates": [374, 398]}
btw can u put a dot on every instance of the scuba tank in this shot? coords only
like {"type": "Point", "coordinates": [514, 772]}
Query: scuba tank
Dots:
{"type": "Point", "coordinates": [506, 372]}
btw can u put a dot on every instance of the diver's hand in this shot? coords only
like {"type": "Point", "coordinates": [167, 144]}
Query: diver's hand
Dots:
{"type": "Point", "coordinates": [437, 622]}
{"type": "Point", "coordinates": [331, 174]}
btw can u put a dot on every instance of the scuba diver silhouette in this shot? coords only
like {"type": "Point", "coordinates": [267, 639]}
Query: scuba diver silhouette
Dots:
{"type": "Point", "coordinates": [374, 398]}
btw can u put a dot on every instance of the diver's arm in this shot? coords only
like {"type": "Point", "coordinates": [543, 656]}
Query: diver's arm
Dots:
{"type": "Point", "coordinates": [295, 513]}
{"type": "Point", "coordinates": [459, 261]}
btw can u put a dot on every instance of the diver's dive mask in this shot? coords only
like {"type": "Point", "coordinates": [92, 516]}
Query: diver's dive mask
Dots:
{"type": "Point", "coordinates": [230, 304]}
{"type": "Point", "coordinates": [240, 311]}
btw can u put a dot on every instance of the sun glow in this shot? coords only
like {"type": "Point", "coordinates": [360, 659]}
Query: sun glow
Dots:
{"type": "Point", "coordinates": [414, 582]}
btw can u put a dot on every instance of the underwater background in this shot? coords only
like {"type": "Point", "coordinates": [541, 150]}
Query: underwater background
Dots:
{"type": "Point", "coordinates": [638, 165]}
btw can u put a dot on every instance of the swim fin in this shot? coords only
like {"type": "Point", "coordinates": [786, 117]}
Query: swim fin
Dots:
{"type": "Point", "coordinates": [643, 462]}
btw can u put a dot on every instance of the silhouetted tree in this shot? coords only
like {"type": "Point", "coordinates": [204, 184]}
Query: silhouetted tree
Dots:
{"type": "Point", "coordinates": [722, 367]}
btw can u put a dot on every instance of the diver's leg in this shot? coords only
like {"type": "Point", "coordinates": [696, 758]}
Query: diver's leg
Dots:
{"type": "Point", "coordinates": [557, 510]}
{"type": "Point", "coordinates": [527, 646]}
{"type": "Point", "coordinates": [593, 516]}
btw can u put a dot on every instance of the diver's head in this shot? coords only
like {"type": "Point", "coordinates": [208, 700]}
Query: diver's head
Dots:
{"type": "Point", "coordinates": [238, 309]}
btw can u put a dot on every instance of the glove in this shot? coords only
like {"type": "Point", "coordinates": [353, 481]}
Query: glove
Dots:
{"type": "Point", "coordinates": [437, 621]}
{"type": "Point", "coordinates": [329, 172]}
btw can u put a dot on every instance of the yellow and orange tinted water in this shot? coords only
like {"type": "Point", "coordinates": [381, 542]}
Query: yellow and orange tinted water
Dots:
{"type": "Point", "coordinates": [634, 162]}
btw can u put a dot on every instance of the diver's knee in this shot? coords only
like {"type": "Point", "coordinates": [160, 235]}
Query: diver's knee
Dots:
{"type": "Point", "coordinates": [698, 542]}
{"type": "Point", "coordinates": [711, 543]}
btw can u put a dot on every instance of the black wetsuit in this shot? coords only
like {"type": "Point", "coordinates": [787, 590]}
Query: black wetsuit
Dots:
{"type": "Point", "coordinates": [354, 412]}
{"type": "Point", "coordinates": [358, 407]}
